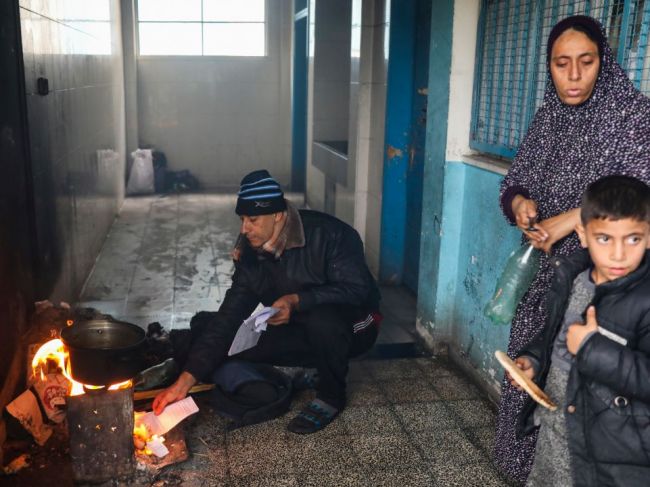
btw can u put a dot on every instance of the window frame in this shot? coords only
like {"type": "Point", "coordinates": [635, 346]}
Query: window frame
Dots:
{"type": "Point", "coordinates": [633, 25]}
{"type": "Point", "coordinates": [137, 22]}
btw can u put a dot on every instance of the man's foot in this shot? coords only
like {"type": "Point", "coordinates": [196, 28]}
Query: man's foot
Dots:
{"type": "Point", "coordinates": [314, 417]}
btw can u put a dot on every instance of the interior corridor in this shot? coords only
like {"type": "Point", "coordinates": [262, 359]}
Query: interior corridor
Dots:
{"type": "Point", "coordinates": [412, 419]}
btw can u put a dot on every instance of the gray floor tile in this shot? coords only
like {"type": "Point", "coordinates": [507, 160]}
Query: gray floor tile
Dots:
{"type": "Point", "coordinates": [398, 369]}
{"type": "Point", "coordinates": [264, 481]}
{"type": "Point", "coordinates": [455, 387]}
{"type": "Point", "coordinates": [448, 446]}
{"type": "Point", "coordinates": [412, 476]}
{"type": "Point", "coordinates": [181, 321]}
{"type": "Point", "coordinates": [249, 436]}
{"type": "Point", "coordinates": [408, 390]}
{"type": "Point", "coordinates": [366, 394]}
{"type": "Point", "coordinates": [371, 420]}
{"type": "Point", "coordinates": [432, 367]}
{"type": "Point", "coordinates": [422, 417]}
{"type": "Point", "coordinates": [322, 455]}
{"type": "Point", "coordinates": [388, 452]}
{"type": "Point", "coordinates": [264, 457]}
{"type": "Point", "coordinates": [484, 438]}
{"type": "Point", "coordinates": [473, 413]}
{"type": "Point", "coordinates": [337, 478]}
{"type": "Point", "coordinates": [477, 475]}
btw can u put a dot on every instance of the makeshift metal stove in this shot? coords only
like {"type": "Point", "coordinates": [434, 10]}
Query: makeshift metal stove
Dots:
{"type": "Point", "coordinates": [108, 440]}
{"type": "Point", "coordinates": [100, 425]}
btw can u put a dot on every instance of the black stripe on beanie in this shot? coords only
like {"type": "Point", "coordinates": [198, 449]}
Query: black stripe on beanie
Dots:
{"type": "Point", "coordinates": [259, 194]}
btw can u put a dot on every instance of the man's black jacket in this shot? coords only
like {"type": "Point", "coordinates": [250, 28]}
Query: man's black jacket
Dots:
{"type": "Point", "coordinates": [608, 392]}
{"type": "Point", "coordinates": [323, 263]}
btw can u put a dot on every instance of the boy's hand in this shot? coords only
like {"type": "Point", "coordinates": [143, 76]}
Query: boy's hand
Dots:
{"type": "Point", "coordinates": [578, 332]}
{"type": "Point", "coordinates": [526, 366]}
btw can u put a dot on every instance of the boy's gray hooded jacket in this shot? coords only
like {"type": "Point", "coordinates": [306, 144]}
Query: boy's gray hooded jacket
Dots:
{"type": "Point", "coordinates": [608, 392]}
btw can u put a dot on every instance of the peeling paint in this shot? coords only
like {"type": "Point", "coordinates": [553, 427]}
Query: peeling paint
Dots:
{"type": "Point", "coordinates": [393, 152]}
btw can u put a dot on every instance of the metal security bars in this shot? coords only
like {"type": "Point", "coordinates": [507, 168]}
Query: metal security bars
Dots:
{"type": "Point", "coordinates": [511, 60]}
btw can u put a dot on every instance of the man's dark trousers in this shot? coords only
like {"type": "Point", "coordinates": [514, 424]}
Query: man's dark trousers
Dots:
{"type": "Point", "coordinates": [323, 338]}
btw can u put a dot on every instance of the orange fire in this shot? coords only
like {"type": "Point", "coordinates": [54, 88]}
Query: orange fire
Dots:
{"type": "Point", "coordinates": [55, 351]}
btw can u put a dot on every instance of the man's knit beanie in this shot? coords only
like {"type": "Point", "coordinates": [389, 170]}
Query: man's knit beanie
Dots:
{"type": "Point", "coordinates": [259, 194]}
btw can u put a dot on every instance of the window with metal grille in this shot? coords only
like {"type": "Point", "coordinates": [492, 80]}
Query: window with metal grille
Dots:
{"type": "Point", "coordinates": [201, 27]}
{"type": "Point", "coordinates": [511, 60]}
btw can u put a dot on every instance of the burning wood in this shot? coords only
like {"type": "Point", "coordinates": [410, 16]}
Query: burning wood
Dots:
{"type": "Point", "coordinates": [106, 436]}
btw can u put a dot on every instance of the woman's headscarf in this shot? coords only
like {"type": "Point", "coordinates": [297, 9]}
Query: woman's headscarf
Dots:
{"type": "Point", "coordinates": [569, 146]}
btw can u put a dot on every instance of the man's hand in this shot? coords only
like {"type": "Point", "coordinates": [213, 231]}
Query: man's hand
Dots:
{"type": "Point", "coordinates": [578, 332]}
{"type": "Point", "coordinates": [286, 304]}
{"type": "Point", "coordinates": [177, 391]}
{"type": "Point", "coordinates": [526, 366]}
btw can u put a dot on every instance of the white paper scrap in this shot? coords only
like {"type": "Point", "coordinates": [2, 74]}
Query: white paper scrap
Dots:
{"type": "Point", "coordinates": [157, 446]}
{"type": "Point", "coordinates": [251, 329]}
{"type": "Point", "coordinates": [170, 417]}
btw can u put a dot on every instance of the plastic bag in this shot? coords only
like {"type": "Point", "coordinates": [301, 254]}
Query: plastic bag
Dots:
{"type": "Point", "coordinates": [520, 269]}
{"type": "Point", "coordinates": [141, 180]}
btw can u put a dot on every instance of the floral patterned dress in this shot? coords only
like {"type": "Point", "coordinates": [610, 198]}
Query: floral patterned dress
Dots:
{"type": "Point", "coordinates": [565, 149]}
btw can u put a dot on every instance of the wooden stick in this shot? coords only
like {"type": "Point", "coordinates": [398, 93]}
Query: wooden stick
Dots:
{"type": "Point", "coordinates": [141, 395]}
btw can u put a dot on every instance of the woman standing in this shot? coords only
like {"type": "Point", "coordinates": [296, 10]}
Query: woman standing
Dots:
{"type": "Point", "coordinates": [592, 123]}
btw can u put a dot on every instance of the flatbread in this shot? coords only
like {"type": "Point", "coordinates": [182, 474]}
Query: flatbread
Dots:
{"type": "Point", "coordinates": [526, 384]}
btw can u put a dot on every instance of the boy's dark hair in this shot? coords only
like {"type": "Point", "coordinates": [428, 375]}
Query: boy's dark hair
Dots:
{"type": "Point", "coordinates": [615, 198]}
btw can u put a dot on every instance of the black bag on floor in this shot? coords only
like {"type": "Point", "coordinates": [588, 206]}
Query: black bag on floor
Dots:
{"type": "Point", "coordinates": [249, 393]}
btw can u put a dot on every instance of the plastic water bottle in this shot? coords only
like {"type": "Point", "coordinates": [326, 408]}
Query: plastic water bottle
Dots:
{"type": "Point", "coordinates": [520, 269]}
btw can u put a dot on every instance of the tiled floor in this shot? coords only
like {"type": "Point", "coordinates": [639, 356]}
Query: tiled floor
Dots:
{"type": "Point", "coordinates": [409, 422]}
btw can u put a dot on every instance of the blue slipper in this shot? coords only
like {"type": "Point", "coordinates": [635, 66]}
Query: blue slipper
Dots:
{"type": "Point", "coordinates": [314, 417]}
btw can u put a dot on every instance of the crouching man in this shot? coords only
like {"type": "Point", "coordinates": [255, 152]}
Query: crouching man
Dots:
{"type": "Point", "coordinates": [311, 267]}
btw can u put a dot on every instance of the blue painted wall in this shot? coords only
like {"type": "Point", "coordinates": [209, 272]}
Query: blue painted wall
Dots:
{"type": "Point", "coordinates": [465, 240]}
{"type": "Point", "coordinates": [399, 100]}
{"type": "Point", "coordinates": [434, 161]}
{"type": "Point", "coordinates": [418, 128]}
{"type": "Point", "coordinates": [475, 244]}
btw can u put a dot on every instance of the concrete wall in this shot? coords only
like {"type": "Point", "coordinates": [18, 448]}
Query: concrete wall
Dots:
{"type": "Point", "coordinates": [368, 129]}
{"type": "Point", "coordinates": [328, 97]}
{"type": "Point", "coordinates": [221, 117]}
{"type": "Point", "coordinates": [76, 134]}
{"type": "Point", "coordinates": [358, 202]}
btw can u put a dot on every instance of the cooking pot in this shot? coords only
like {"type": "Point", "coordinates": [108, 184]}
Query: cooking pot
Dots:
{"type": "Point", "coordinates": [104, 351]}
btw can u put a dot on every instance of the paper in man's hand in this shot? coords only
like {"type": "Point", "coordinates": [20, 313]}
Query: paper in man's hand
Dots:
{"type": "Point", "coordinates": [251, 329]}
{"type": "Point", "coordinates": [170, 417]}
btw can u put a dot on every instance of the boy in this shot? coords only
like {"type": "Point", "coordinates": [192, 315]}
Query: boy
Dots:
{"type": "Point", "coordinates": [597, 369]}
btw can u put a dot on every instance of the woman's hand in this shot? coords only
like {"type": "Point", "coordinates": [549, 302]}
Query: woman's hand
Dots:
{"type": "Point", "coordinates": [525, 212]}
{"type": "Point", "coordinates": [556, 228]}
